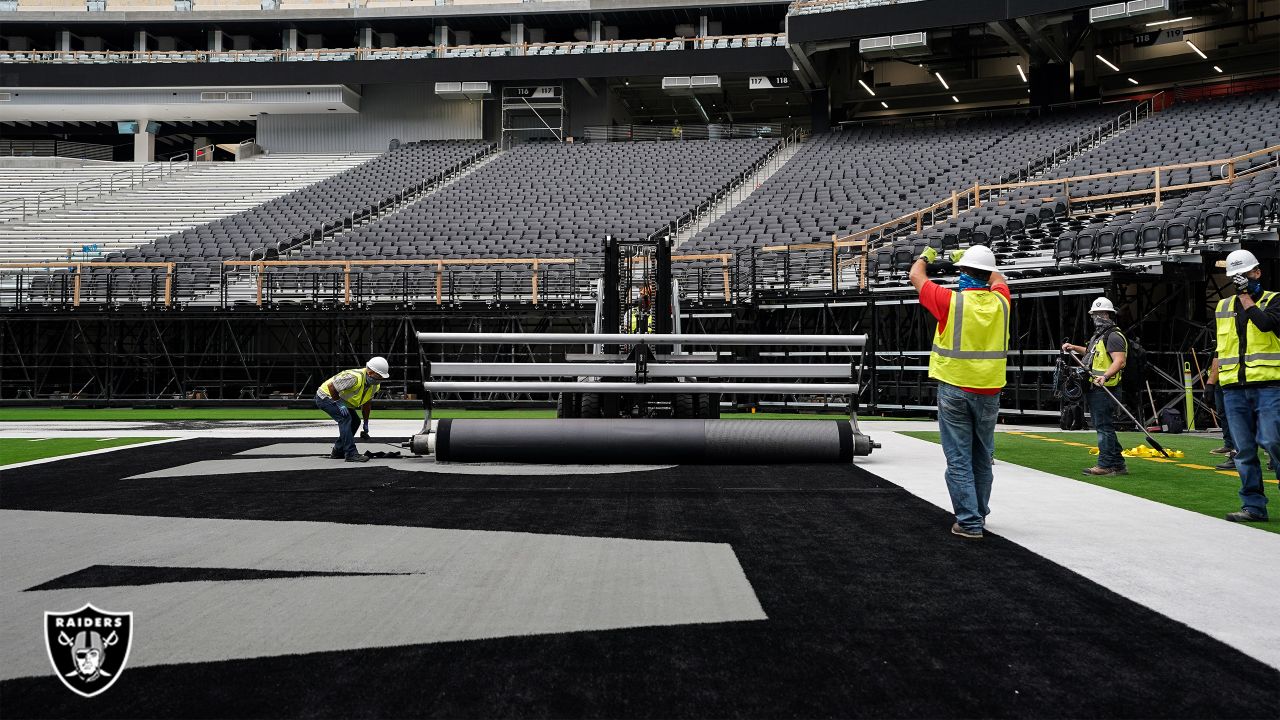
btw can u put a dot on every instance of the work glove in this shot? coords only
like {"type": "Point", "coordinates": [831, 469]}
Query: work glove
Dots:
{"type": "Point", "coordinates": [955, 255]}
{"type": "Point", "coordinates": [364, 433]}
{"type": "Point", "coordinates": [343, 411]}
{"type": "Point", "coordinates": [929, 255]}
{"type": "Point", "coordinates": [1241, 283]}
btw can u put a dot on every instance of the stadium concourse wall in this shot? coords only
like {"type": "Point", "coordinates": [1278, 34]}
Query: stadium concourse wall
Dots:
{"type": "Point", "coordinates": [407, 112]}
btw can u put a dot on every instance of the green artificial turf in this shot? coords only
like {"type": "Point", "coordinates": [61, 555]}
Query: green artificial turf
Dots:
{"type": "Point", "coordinates": [41, 414]}
{"type": "Point", "coordinates": [1204, 491]}
{"type": "Point", "coordinates": [16, 450]}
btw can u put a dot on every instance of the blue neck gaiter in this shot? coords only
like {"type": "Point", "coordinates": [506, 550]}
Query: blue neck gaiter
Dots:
{"type": "Point", "coordinates": [1255, 287]}
{"type": "Point", "coordinates": [969, 283]}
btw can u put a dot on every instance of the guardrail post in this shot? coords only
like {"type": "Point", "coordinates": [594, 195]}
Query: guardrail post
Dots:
{"type": "Point", "coordinates": [439, 282]}
{"type": "Point", "coordinates": [346, 283]}
{"type": "Point", "coordinates": [955, 204]}
{"type": "Point", "coordinates": [1157, 188]}
{"type": "Point", "coordinates": [977, 198]}
{"type": "Point", "coordinates": [168, 286]}
{"type": "Point", "coordinates": [261, 269]}
{"type": "Point", "coordinates": [75, 298]}
{"type": "Point", "coordinates": [835, 264]}
{"type": "Point", "coordinates": [535, 281]}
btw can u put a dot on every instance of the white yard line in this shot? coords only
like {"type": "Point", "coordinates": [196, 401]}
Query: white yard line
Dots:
{"type": "Point", "coordinates": [86, 453]}
{"type": "Point", "coordinates": [1218, 577]}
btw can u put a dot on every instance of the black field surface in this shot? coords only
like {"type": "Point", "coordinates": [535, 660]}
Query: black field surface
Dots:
{"type": "Point", "coordinates": [874, 609]}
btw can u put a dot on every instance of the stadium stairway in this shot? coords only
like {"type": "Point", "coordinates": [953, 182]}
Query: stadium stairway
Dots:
{"type": "Point", "coordinates": [27, 189]}
{"type": "Point", "coordinates": [127, 219]}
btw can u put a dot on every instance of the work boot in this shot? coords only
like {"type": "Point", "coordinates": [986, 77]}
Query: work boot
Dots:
{"type": "Point", "coordinates": [1099, 471]}
{"type": "Point", "coordinates": [1224, 450]}
{"type": "Point", "coordinates": [1228, 464]}
{"type": "Point", "coordinates": [335, 455]}
{"type": "Point", "coordinates": [967, 534]}
{"type": "Point", "coordinates": [1244, 516]}
{"type": "Point", "coordinates": [357, 458]}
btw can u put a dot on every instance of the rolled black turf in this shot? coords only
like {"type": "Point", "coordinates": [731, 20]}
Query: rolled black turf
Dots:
{"type": "Point", "coordinates": [645, 441]}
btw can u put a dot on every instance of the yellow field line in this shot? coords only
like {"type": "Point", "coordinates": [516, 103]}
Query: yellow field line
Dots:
{"type": "Point", "coordinates": [1190, 466]}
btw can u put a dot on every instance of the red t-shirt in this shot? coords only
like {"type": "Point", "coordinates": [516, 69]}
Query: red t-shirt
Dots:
{"type": "Point", "coordinates": [937, 300]}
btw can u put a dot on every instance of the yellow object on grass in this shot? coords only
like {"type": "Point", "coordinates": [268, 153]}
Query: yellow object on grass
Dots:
{"type": "Point", "coordinates": [1142, 451]}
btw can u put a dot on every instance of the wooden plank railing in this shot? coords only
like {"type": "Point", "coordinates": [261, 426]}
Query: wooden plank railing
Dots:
{"type": "Point", "coordinates": [77, 270]}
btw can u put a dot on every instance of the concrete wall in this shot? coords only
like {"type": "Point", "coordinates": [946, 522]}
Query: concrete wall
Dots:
{"type": "Point", "coordinates": [406, 112]}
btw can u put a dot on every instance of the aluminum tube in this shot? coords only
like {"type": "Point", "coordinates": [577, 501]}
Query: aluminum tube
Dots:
{"type": "Point", "coordinates": [644, 388]}
{"type": "Point", "coordinates": [645, 441]}
{"type": "Point", "coordinates": [636, 339]}
{"type": "Point", "coordinates": [662, 370]}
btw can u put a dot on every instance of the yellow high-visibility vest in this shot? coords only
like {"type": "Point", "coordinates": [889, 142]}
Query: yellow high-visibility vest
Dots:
{"type": "Point", "coordinates": [633, 321]}
{"type": "Point", "coordinates": [1262, 361]}
{"type": "Point", "coordinates": [356, 395]}
{"type": "Point", "coordinates": [972, 349]}
{"type": "Point", "coordinates": [1100, 358]}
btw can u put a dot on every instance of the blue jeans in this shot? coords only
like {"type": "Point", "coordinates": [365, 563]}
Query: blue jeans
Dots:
{"type": "Point", "coordinates": [347, 420]}
{"type": "Point", "coordinates": [1102, 410]}
{"type": "Point", "coordinates": [1254, 415]}
{"type": "Point", "coordinates": [1220, 404]}
{"type": "Point", "coordinates": [967, 422]}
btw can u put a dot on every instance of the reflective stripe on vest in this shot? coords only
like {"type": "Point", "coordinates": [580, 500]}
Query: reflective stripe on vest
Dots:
{"type": "Point", "coordinates": [973, 351]}
{"type": "Point", "coordinates": [1099, 362]}
{"type": "Point", "coordinates": [358, 394]}
{"type": "Point", "coordinates": [1262, 353]}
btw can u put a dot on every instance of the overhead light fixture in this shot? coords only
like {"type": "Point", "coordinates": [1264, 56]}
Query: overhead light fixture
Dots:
{"type": "Point", "coordinates": [1108, 63]}
{"type": "Point", "coordinates": [867, 88]}
{"type": "Point", "coordinates": [1215, 67]}
{"type": "Point", "coordinates": [626, 82]}
{"type": "Point", "coordinates": [1198, 50]}
{"type": "Point", "coordinates": [953, 97]}
{"type": "Point", "coordinates": [944, 82]}
{"type": "Point", "coordinates": [1135, 82]}
{"type": "Point", "coordinates": [884, 105]}
{"type": "Point", "coordinates": [1166, 22]}
{"type": "Point", "coordinates": [1021, 74]}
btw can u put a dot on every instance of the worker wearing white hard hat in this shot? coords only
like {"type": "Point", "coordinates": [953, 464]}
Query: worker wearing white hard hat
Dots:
{"type": "Point", "coordinates": [1248, 357]}
{"type": "Point", "coordinates": [1105, 356]}
{"type": "Point", "coordinates": [968, 360]}
{"type": "Point", "coordinates": [341, 395]}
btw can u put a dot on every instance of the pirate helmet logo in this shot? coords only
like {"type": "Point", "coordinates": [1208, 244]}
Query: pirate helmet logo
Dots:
{"type": "Point", "coordinates": [88, 648]}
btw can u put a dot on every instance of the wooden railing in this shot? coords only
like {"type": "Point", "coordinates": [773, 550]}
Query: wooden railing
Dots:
{"type": "Point", "coordinates": [862, 242]}
{"type": "Point", "coordinates": [76, 270]}
{"type": "Point", "coordinates": [438, 264]}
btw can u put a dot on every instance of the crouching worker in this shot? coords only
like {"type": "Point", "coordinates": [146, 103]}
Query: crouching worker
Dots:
{"type": "Point", "coordinates": [1105, 357]}
{"type": "Point", "coordinates": [968, 361]}
{"type": "Point", "coordinates": [341, 395]}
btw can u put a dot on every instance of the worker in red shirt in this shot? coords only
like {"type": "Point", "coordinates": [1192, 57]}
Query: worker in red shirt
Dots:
{"type": "Point", "coordinates": [968, 360]}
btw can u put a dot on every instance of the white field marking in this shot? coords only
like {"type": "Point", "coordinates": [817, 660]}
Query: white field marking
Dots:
{"type": "Point", "coordinates": [1217, 577]}
{"type": "Point", "coordinates": [433, 585]}
{"type": "Point", "coordinates": [39, 439]}
{"type": "Point", "coordinates": [86, 453]}
{"type": "Point", "coordinates": [107, 439]}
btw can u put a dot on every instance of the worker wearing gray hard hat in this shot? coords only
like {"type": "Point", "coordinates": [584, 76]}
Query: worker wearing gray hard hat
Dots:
{"type": "Point", "coordinates": [1249, 372]}
{"type": "Point", "coordinates": [969, 361]}
{"type": "Point", "coordinates": [341, 395]}
{"type": "Point", "coordinates": [1105, 356]}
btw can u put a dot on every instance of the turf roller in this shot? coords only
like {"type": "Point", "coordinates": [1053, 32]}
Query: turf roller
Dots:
{"type": "Point", "coordinates": [643, 441]}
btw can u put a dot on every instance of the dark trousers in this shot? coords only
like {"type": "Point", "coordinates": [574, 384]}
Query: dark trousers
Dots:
{"type": "Point", "coordinates": [1102, 408]}
{"type": "Point", "coordinates": [1220, 404]}
{"type": "Point", "coordinates": [348, 422]}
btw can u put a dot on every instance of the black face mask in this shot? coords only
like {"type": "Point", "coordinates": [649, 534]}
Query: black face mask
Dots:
{"type": "Point", "coordinates": [1102, 321]}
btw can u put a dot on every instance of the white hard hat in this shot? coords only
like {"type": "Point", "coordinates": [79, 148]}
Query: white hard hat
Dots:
{"type": "Point", "coordinates": [1240, 261]}
{"type": "Point", "coordinates": [1102, 305]}
{"type": "Point", "coordinates": [379, 365]}
{"type": "Point", "coordinates": [978, 257]}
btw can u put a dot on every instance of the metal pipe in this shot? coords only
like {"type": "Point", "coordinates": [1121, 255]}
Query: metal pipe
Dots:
{"type": "Point", "coordinates": [639, 338]}
{"type": "Point", "coordinates": [552, 386]}
{"type": "Point", "coordinates": [665, 370]}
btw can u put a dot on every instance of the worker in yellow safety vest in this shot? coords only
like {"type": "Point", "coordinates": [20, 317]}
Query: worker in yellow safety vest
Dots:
{"type": "Point", "coordinates": [341, 395]}
{"type": "Point", "coordinates": [1248, 356]}
{"type": "Point", "coordinates": [968, 361]}
{"type": "Point", "coordinates": [640, 318]}
{"type": "Point", "coordinates": [1105, 355]}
